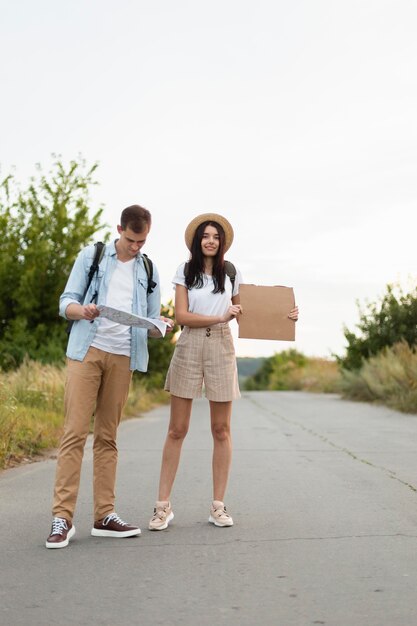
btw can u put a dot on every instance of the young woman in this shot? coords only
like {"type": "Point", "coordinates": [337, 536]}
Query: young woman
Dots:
{"type": "Point", "coordinates": [205, 302]}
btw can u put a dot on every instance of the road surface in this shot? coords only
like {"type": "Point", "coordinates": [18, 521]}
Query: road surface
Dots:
{"type": "Point", "coordinates": [323, 494]}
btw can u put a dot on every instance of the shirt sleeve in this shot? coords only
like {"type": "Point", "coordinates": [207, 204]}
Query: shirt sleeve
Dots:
{"type": "Point", "coordinates": [179, 278]}
{"type": "Point", "coordinates": [77, 280]}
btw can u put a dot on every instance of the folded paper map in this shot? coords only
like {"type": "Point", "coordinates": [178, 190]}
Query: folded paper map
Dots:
{"type": "Point", "coordinates": [130, 319]}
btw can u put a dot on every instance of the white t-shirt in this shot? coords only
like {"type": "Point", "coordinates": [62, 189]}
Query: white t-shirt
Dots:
{"type": "Point", "coordinates": [203, 301]}
{"type": "Point", "coordinates": [110, 336]}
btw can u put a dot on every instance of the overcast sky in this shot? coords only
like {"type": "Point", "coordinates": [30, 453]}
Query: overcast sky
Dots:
{"type": "Point", "coordinates": [296, 120]}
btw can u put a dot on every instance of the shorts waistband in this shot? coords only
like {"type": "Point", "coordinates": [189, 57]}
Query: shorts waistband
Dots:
{"type": "Point", "coordinates": [216, 329]}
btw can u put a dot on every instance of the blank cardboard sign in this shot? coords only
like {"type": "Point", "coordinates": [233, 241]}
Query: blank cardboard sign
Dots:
{"type": "Point", "coordinates": [265, 312]}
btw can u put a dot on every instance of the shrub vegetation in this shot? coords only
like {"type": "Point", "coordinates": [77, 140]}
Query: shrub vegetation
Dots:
{"type": "Point", "coordinates": [42, 229]}
{"type": "Point", "coordinates": [292, 370]}
{"type": "Point", "coordinates": [380, 360]}
{"type": "Point", "coordinates": [384, 323]}
{"type": "Point", "coordinates": [389, 378]}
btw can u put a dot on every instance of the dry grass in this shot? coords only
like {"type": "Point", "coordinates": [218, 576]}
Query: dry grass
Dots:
{"type": "Point", "coordinates": [31, 409]}
{"type": "Point", "coordinates": [388, 378]}
{"type": "Point", "coordinates": [316, 375]}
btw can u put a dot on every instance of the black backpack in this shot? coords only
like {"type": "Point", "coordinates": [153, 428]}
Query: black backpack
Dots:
{"type": "Point", "coordinates": [98, 255]}
{"type": "Point", "coordinates": [100, 247]}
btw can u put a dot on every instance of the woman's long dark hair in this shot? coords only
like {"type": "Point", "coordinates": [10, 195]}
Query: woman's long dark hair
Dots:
{"type": "Point", "coordinates": [194, 269]}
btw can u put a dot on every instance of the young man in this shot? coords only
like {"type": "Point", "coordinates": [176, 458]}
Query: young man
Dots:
{"type": "Point", "coordinates": [101, 357]}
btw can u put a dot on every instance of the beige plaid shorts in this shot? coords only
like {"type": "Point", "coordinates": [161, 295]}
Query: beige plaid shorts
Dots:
{"type": "Point", "coordinates": [204, 355]}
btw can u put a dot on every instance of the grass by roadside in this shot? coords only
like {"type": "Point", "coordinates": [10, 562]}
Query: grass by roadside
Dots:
{"type": "Point", "coordinates": [388, 378]}
{"type": "Point", "coordinates": [31, 398]}
{"type": "Point", "coordinates": [317, 375]}
{"type": "Point", "coordinates": [31, 409]}
{"type": "Point", "coordinates": [292, 370]}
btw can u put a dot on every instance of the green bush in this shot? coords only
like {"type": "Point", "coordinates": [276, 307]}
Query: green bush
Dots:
{"type": "Point", "coordinates": [42, 229]}
{"type": "Point", "coordinates": [291, 370]}
{"type": "Point", "coordinates": [275, 372]}
{"type": "Point", "coordinates": [382, 324]}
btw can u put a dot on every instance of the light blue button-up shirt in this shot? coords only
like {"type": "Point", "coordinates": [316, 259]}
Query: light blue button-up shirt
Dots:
{"type": "Point", "coordinates": [146, 305]}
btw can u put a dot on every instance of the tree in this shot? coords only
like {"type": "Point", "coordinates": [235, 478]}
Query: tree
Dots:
{"type": "Point", "coordinates": [42, 229]}
{"type": "Point", "coordinates": [382, 324]}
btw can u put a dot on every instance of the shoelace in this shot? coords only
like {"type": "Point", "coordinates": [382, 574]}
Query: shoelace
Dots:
{"type": "Point", "coordinates": [221, 512]}
{"type": "Point", "coordinates": [115, 518]}
{"type": "Point", "coordinates": [159, 514]}
{"type": "Point", "coordinates": [58, 526]}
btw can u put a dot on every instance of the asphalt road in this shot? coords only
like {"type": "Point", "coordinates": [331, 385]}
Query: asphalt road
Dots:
{"type": "Point", "coordinates": [323, 494]}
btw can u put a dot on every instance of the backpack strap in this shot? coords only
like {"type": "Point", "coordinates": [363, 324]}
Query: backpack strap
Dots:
{"type": "Point", "coordinates": [230, 270]}
{"type": "Point", "coordinates": [149, 272]}
{"type": "Point", "coordinates": [98, 255]}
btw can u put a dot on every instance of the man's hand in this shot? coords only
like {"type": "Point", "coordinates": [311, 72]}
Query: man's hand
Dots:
{"type": "Point", "coordinates": [82, 312]}
{"type": "Point", "coordinates": [170, 323]}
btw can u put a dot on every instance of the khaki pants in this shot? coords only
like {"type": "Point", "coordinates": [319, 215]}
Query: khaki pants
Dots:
{"type": "Point", "coordinates": [98, 385]}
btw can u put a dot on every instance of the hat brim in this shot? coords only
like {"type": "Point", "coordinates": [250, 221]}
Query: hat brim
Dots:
{"type": "Point", "coordinates": [209, 217]}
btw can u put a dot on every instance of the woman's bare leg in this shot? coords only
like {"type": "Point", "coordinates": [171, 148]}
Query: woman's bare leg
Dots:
{"type": "Point", "coordinates": [220, 413]}
{"type": "Point", "coordinates": [177, 430]}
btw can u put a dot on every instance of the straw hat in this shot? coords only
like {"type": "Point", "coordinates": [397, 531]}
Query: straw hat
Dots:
{"type": "Point", "coordinates": [209, 217]}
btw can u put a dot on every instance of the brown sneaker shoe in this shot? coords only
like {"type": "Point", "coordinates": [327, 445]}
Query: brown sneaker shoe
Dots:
{"type": "Point", "coordinates": [113, 526]}
{"type": "Point", "coordinates": [162, 515]}
{"type": "Point", "coordinates": [61, 533]}
{"type": "Point", "coordinates": [218, 515]}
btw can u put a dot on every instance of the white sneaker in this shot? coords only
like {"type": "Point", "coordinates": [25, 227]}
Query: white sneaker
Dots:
{"type": "Point", "coordinates": [218, 515]}
{"type": "Point", "coordinates": [162, 515]}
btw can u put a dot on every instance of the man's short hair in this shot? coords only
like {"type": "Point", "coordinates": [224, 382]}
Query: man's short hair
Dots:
{"type": "Point", "coordinates": [136, 218]}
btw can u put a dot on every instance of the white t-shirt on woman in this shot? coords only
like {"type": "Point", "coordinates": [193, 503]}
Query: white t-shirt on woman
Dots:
{"type": "Point", "coordinates": [203, 301]}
